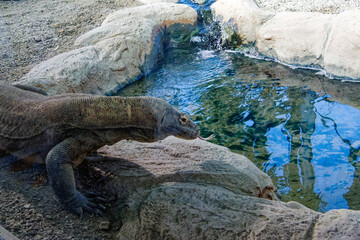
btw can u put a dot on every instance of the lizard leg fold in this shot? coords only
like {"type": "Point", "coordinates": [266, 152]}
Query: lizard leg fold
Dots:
{"type": "Point", "coordinates": [30, 88]}
{"type": "Point", "coordinates": [60, 163]}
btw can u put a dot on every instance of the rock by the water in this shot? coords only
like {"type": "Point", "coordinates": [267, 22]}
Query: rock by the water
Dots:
{"type": "Point", "coordinates": [176, 160]}
{"type": "Point", "coordinates": [128, 45]}
{"type": "Point", "coordinates": [177, 189]}
{"type": "Point", "coordinates": [196, 211]}
{"type": "Point", "coordinates": [302, 38]}
{"type": "Point", "coordinates": [338, 225]}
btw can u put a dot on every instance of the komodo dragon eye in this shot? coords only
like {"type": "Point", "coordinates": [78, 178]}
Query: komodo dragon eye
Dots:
{"type": "Point", "coordinates": [184, 119]}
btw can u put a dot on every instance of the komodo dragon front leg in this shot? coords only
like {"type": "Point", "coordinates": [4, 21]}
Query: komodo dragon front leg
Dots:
{"type": "Point", "coordinates": [60, 162]}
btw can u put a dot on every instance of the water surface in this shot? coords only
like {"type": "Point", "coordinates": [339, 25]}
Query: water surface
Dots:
{"type": "Point", "coordinates": [298, 127]}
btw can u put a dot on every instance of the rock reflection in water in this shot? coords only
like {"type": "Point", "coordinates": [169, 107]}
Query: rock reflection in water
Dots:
{"type": "Point", "coordinates": [283, 120]}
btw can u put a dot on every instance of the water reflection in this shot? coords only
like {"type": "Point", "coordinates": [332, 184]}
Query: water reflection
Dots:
{"type": "Point", "coordinates": [281, 119]}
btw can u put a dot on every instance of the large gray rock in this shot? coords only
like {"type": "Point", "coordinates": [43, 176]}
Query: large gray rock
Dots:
{"type": "Point", "coordinates": [177, 189]}
{"type": "Point", "coordinates": [338, 225]}
{"type": "Point", "coordinates": [302, 38]}
{"type": "Point", "coordinates": [240, 17]}
{"type": "Point", "coordinates": [194, 211]}
{"type": "Point", "coordinates": [342, 49]}
{"type": "Point", "coordinates": [292, 42]}
{"type": "Point", "coordinates": [176, 160]}
{"type": "Point", "coordinates": [127, 46]}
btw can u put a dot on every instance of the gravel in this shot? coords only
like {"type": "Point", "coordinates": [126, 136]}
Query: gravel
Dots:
{"type": "Point", "coordinates": [322, 6]}
{"type": "Point", "coordinates": [30, 212]}
{"type": "Point", "coordinates": [32, 31]}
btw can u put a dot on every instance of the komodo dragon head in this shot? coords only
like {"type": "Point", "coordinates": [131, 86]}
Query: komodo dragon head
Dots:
{"type": "Point", "coordinates": [178, 124]}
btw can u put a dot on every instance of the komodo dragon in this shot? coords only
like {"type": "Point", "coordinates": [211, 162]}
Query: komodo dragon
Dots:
{"type": "Point", "coordinates": [61, 130]}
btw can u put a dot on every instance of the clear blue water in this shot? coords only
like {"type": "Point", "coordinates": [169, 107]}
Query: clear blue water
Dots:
{"type": "Point", "coordinates": [284, 120]}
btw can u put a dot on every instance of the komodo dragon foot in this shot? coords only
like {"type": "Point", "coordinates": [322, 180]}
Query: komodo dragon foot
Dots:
{"type": "Point", "coordinates": [86, 202]}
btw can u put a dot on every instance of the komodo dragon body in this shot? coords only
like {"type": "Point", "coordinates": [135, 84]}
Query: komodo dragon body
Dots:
{"type": "Point", "coordinates": [61, 130]}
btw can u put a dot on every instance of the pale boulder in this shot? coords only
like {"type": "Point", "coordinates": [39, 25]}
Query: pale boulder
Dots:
{"type": "Point", "coordinates": [241, 17]}
{"type": "Point", "coordinates": [178, 189]}
{"type": "Point", "coordinates": [338, 225]}
{"type": "Point", "coordinates": [328, 41]}
{"type": "Point", "coordinates": [157, 12]}
{"type": "Point", "coordinates": [127, 46]}
{"type": "Point", "coordinates": [342, 50]}
{"type": "Point", "coordinates": [194, 211]}
{"type": "Point", "coordinates": [176, 160]}
{"type": "Point", "coordinates": [295, 38]}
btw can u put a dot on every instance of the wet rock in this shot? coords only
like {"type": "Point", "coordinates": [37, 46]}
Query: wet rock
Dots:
{"type": "Point", "coordinates": [301, 38]}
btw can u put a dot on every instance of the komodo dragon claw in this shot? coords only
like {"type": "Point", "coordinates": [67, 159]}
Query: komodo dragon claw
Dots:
{"type": "Point", "coordinates": [81, 203]}
{"type": "Point", "coordinates": [94, 196]}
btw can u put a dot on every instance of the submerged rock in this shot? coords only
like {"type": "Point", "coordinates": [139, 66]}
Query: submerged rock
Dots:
{"type": "Point", "coordinates": [302, 38]}
{"type": "Point", "coordinates": [128, 45]}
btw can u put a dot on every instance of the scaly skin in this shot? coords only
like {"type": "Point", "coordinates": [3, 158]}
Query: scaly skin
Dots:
{"type": "Point", "coordinates": [62, 130]}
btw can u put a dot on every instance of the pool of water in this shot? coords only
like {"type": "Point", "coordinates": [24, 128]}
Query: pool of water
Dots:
{"type": "Point", "coordinates": [300, 128]}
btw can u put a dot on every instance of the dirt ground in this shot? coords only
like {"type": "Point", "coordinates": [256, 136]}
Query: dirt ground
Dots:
{"type": "Point", "coordinates": [29, 211]}
{"type": "Point", "coordinates": [32, 31]}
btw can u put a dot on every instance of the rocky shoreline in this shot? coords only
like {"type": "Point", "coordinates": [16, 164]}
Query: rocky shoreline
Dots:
{"type": "Point", "coordinates": [310, 39]}
{"type": "Point", "coordinates": [127, 46]}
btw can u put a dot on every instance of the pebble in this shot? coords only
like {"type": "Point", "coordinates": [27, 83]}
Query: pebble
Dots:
{"type": "Point", "coordinates": [104, 225]}
{"type": "Point", "coordinates": [27, 206]}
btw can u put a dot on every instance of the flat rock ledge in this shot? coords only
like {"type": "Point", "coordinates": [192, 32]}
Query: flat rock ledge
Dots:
{"type": "Point", "coordinates": [329, 41]}
{"type": "Point", "coordinates": [177, 189]}
{"type": "Point", "coordinates": [127, 46]}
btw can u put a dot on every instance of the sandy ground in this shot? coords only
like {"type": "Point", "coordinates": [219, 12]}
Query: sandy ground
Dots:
{"type": "Point", "coordinates": [323, 6]}
{"type": "Point", "coordinates": [32, 31]}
